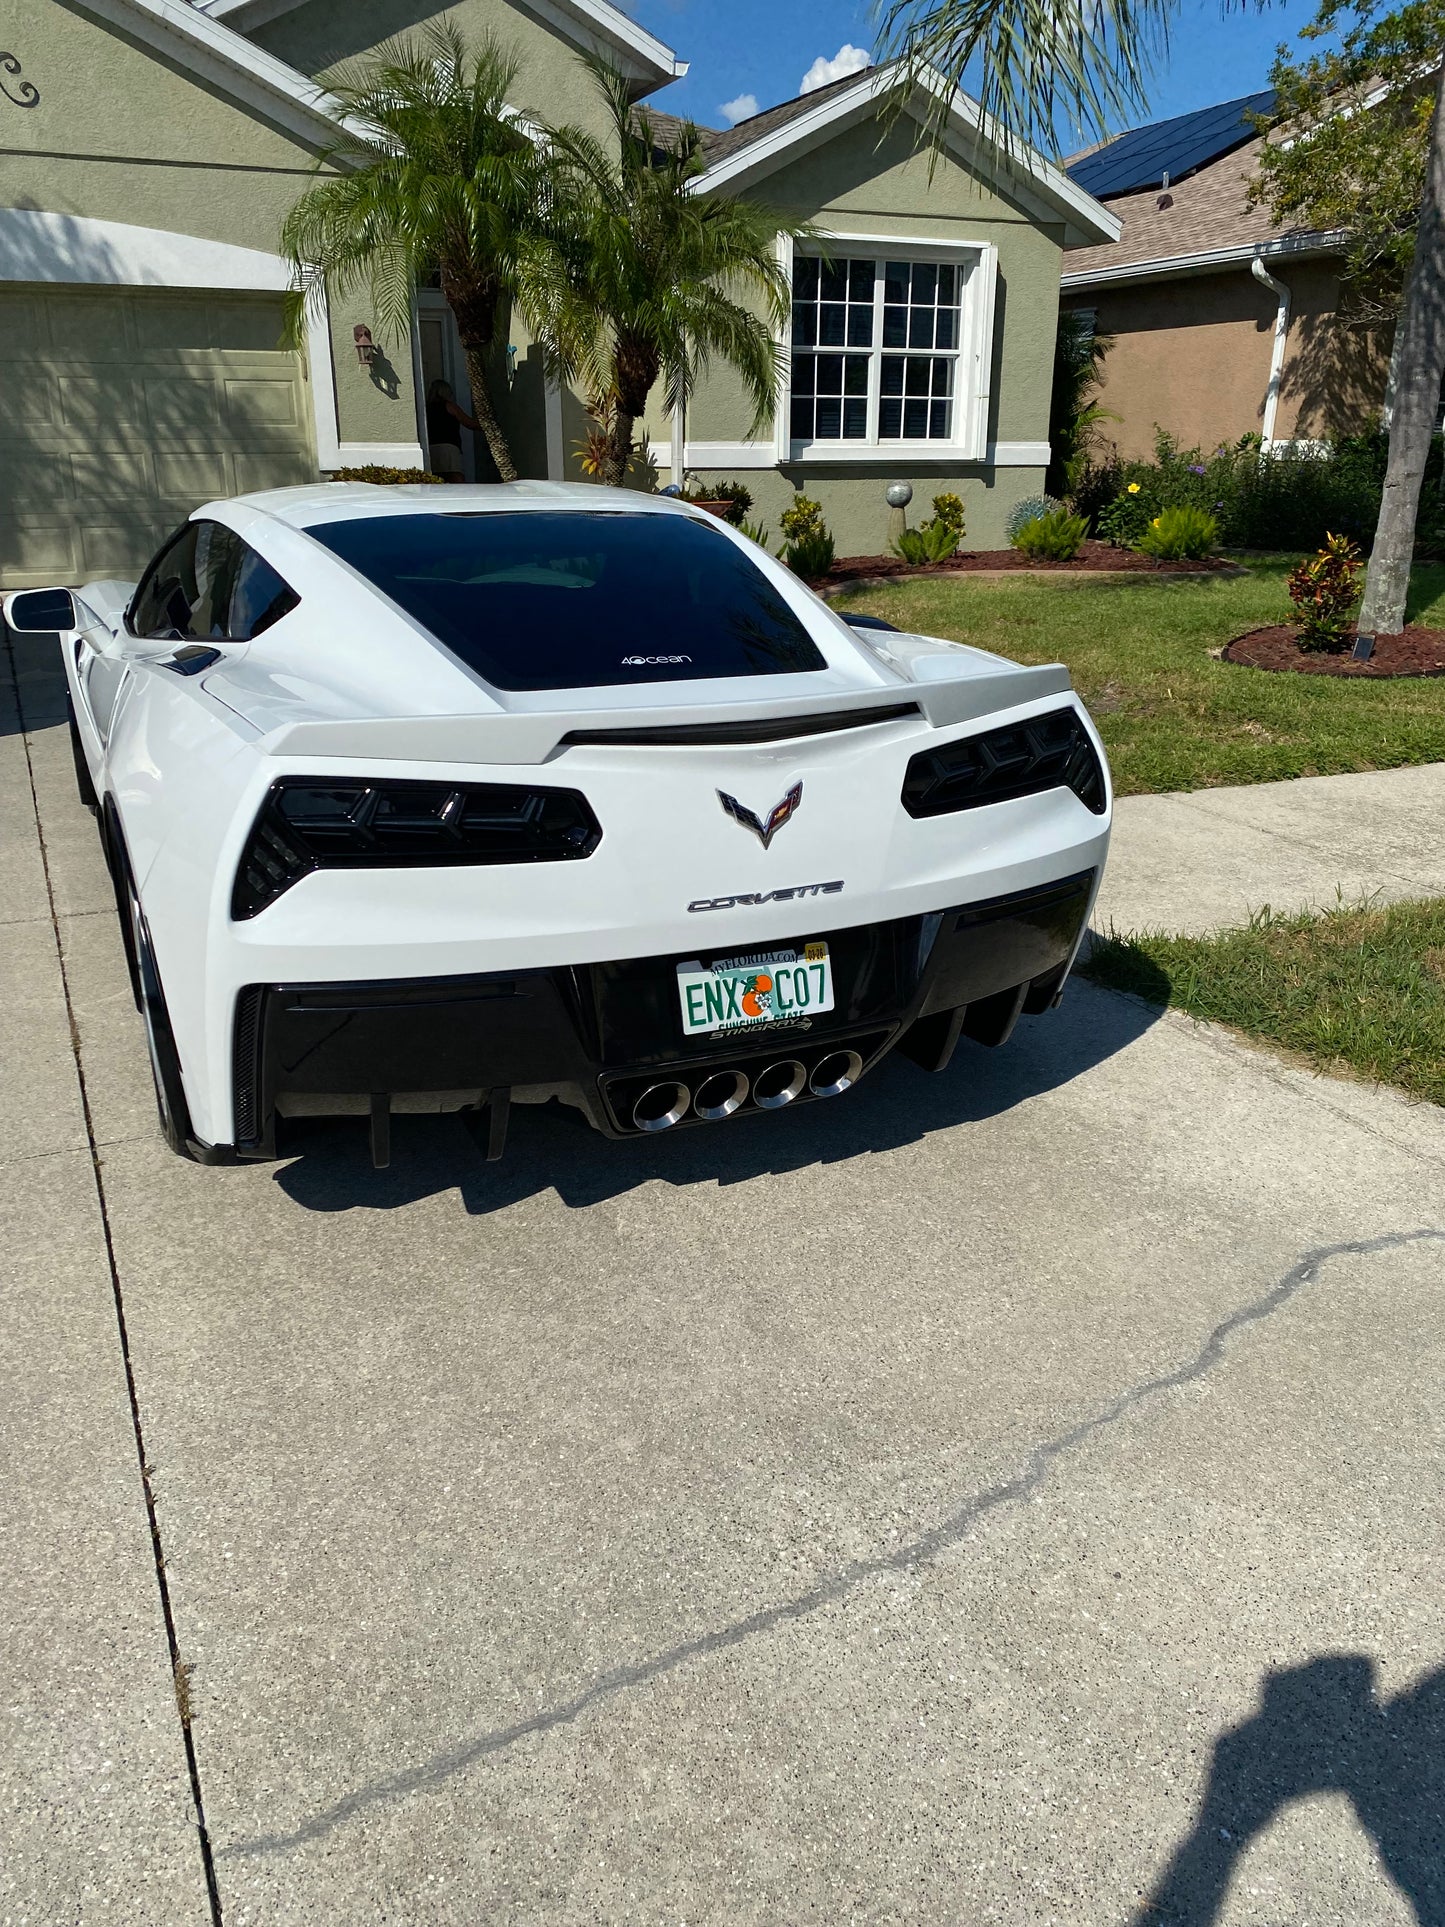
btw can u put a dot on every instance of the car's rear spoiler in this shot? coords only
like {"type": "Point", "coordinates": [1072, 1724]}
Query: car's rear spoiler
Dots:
{"type": "Point", "coordinates": [534, 736]}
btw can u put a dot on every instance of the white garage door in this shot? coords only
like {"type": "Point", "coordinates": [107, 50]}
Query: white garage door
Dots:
{"type": "Point", "coordinates": [125, 408]}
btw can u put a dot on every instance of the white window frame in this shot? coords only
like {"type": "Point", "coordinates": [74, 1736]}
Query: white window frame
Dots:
{"type": "Point", "coordinates": [973, 364]}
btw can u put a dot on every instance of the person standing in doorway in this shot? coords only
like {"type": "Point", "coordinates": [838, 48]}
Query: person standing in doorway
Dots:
{"type": "Point", "coordinates": [445, 421]}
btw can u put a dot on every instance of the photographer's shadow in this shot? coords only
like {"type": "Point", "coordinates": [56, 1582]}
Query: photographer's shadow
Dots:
{"type": "Point", "coordinates": [1321, 1728]}
{"type": "Point", "coordinates": [551, 1148]}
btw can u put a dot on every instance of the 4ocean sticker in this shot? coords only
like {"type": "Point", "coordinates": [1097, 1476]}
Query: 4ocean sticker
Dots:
{"type": "Point", "coordinates": [761, 988]}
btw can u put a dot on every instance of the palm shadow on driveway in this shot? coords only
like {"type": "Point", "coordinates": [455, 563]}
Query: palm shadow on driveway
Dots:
{"type": "Point", "coordinates": [551, 1148]}
{"type": "Point", "coordinates": [1321, 1728]}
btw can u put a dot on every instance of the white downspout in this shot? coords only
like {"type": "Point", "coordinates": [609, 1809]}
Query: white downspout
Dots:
{"type": "Point", "coordinates": [1281, 334]}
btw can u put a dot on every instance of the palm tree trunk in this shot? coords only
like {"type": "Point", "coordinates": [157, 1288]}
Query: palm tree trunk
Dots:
{"type": "Point", "coordinates": [619, 450]}
{"type": "Point", "coordinates": [486, 415]}
{"type": "Point", "coordinates": [1419, 359]}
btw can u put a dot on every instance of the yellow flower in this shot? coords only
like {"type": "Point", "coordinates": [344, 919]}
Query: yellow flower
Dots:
{"type": "Point", "coordinates": [1155, 523]}
{"type": "Point", "coordinates": [1133, 488]}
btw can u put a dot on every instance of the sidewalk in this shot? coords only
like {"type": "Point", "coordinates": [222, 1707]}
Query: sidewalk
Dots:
{"type": "Point", "coordinates": [1204, 859]}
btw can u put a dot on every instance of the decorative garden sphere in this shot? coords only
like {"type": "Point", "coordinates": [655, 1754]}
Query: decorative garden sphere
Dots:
{"type": "Point", "coordinates": [900, 494]}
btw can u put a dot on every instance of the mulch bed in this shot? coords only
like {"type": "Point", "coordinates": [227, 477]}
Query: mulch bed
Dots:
{"type": "Point", "coordinates": [1415, 652]}
{"type": "Point", "coordinates": [1092, 556]}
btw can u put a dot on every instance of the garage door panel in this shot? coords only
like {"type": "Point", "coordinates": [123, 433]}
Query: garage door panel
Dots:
{"type": "Point", "coordinates": [95, 404]}
{"type": "Point", "coordinates": [128, 408]}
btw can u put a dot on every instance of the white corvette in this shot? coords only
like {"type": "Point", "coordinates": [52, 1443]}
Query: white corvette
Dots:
{"type": "Point", "coordinates": [445, 798]}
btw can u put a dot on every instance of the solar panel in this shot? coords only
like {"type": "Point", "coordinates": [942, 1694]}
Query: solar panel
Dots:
{"type": "Point", "coordinates": [1175, 147]}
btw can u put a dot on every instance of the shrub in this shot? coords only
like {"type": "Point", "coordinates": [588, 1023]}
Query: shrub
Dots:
{"type": "Point", "coordinates": [933, 541]}
{"type": "Point", "coordinates": [1180, 534]}
{"type": "Point", "coordinates": [1029, 510]}
{"type": "Point", "coordinates": [1126, 518]}
{"type": "Point", "coordinates": [755, 532]}
{"type": "Point", "coordinates": [1324, 590]}
{"type": "Point", "coordinates": [807, 545]}
{"type": "Point", "coordinates": [1055, 537]}
{"type": "Point", "coordinates": [737, 494]}
{"type": "Point", "coordinates": [948, 511]}
{"type": "Point", "coordinates": [384, 477]}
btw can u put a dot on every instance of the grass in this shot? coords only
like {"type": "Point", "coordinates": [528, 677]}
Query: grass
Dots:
{"type": "Point", "coordinates": [1172, 716]}
{"type": "Point", "coordinates": [1358, 989]}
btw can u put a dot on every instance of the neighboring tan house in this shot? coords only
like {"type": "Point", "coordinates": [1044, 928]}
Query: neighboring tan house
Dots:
{"type": "Point", "coordinates": [1222, 323]}
{"type": "Point", "coordinates": [149, 150]}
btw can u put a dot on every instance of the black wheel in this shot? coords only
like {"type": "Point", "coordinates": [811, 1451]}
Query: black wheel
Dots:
{"type": "Point", "coordinates": [84, 787]}
{"type": "Point", "coordinates": [171, 1109]}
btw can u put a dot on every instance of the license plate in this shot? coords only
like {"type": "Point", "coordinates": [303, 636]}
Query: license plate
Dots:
{"type": "Point", "coordinates": [763, 987]}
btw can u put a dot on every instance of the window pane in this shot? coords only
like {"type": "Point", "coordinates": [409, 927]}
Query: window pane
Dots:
{"type": "Point", "coordinates": [835, 281]}
{"type": "Point", "coordinates": [805, 325]}
{"type": "Point", "coordinates": [805, 277]}
{"type": "Point", "coordinates": [947, 336]}
{"type": "Point", "coordinates": [890, 420]}
{"type": "Point", "coordinates": [895, 281]}
{"type": "Point", "coordinates": [915, 421]}
{"type": "Point", "coordinates": [947, 286]}
{"type": "Point", "coordinates": [892, 375]}
{"type": "Point", "coordinates": [915, 380]}
{"type": "Point", "coordinates": [920, 328]}
{"type": "Point", "coordinates": [925, 282]}
{"type": "Point", "coordinates": [860, 327]}
{"type": "Point", "coordinates": [802, 422]}
{"type": "Point", "coordinates": [895, 327]}
{"type": "Point", "coordinates": [804, 373]}
{"type": "Point", "coordinates": [860, 280]}
{"type": "Point", "coordinates": [163, 603]}
{"type": "Point", "coordinates": [830, 374]}
{"type": "Point", "coordinates": [938, 421]}
{"type": "Point", "coordinates": [943, 377]}
{"type": "Point", "coordinates": [548, 599]}
{"type": "Point", "coordinates": [258, 598]}
{"type": "Point", "coordinates": [855, 420]}
{"type": "Point", "coordinates": [855, 375]}
{"type": "Point", "coordinates": [830, 421]}
{"type": "Point", "coordinates": [832, 334]}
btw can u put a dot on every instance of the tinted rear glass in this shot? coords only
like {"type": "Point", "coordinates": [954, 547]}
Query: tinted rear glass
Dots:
{"type": "Point", "coordinates": [570, 600]}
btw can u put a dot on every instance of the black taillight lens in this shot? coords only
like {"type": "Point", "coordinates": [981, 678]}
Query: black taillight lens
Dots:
{"type": "Point", "coordinates": [1045, 753]}
{"type": "Point", "coordinates": [306, 824]}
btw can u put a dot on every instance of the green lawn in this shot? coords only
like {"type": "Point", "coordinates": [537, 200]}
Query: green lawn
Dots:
{"type": "Point", "coordinates": [1172, 717]}
{"type": "Point", "coordinates": [1355, 989]}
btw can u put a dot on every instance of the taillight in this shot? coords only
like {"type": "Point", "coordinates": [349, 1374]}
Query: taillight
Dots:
{"type": "Point", "coordinates": [1045, 753]}
{"type": "Point", "coordinates": [305, 825]}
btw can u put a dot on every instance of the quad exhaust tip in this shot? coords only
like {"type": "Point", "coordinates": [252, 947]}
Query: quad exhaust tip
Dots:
{"type": "Point", "coordinates": [720, 1095]}
{"type": "Point", "coordinates": [663, 1105]}
{"type": "Point", "coordinates": [779, 1084]}
{"type": "Point", "coordinates": [835, 1073]}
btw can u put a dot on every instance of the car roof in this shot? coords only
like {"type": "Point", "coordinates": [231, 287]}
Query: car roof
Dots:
{"type": "Point", "coordinates": [351, 501]}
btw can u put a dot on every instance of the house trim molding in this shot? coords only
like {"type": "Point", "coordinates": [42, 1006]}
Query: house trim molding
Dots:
{"type": "Point", "coordinates": [900, 455]}
{"type": "Point", "coordinates": [1085, 219]}
{"type": "Point", "coordinates": [1165, 266]}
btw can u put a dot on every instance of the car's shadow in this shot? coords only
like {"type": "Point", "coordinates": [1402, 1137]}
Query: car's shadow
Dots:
{"type": "Point", "coordinates": [551, 1148]}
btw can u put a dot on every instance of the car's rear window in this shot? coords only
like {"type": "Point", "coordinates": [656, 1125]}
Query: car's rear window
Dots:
{"type": "Point", "coordinates": [543, 600]}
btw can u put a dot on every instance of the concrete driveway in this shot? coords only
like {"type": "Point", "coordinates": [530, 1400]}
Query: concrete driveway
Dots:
{"type": "Point", "coordinates": [1013, 1496]}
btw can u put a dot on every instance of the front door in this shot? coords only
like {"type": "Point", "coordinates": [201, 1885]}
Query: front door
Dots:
{"type": "Point", "coordinates": [442, 360]}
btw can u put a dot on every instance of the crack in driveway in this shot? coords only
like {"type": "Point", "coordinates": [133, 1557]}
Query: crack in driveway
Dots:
{"type": "Point", "coordinates": [923, 1550]}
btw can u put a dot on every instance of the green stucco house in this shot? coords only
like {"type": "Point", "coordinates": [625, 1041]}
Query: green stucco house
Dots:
{"type": "Point", "coordinates": [150, 148]}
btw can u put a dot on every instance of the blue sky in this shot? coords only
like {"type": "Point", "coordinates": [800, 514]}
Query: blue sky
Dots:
{"type": "Point", "coordinates": [762, 49]}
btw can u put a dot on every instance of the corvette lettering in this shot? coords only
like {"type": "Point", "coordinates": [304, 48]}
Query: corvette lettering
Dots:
{"type": "Point", "coordinates": [767, 896]}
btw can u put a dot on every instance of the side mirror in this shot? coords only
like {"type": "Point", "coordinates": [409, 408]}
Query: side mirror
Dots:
{"type": "Point", "coordinates": [41, 612]}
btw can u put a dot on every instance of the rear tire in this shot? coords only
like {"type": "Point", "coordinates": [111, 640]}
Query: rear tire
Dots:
{"type": "Point", "coordinates": [85, 788]}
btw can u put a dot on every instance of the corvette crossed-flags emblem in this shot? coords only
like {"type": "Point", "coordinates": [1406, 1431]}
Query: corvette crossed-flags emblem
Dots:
{"type": "Point", "coordinates": [780, 814]}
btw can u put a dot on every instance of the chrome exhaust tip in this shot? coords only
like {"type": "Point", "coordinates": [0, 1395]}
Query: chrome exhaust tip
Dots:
{"type": "Point", "coordinates": [661, 1106]}
{"type": "Point", "coordinates": [779, 1084]}
{"type": "Point", "coordinates": [720, 1095]}
{"type": "Point", "coordinates": [835, 1073]}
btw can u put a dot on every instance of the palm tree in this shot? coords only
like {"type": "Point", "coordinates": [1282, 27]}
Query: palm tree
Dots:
{"type": "Point", "coordinates": [1074, 412]}
{"type": "Point", "coordinates": [646, 280]}
{"type": "Point", "coordinates": [1044, 63]}
{"type": "Point", "coordinates": [435, 174]}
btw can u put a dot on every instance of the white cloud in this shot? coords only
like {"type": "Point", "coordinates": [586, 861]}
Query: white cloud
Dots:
{"type": "Point", "coordinates": [743, 108]}
{"type": "Point", "coordinates": [848, 60]}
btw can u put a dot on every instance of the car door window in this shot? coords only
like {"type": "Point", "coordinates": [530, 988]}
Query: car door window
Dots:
{"type": "Point", "coordinates": [259, 597]}
{"type": "Point", "coordinates": [186, 592]}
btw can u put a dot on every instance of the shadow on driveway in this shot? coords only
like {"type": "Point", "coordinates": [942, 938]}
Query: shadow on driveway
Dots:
{"type": "Point", "coordinates": [1321, 1728]}
{"type": "Point", "coordinates": [552, 1149]}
